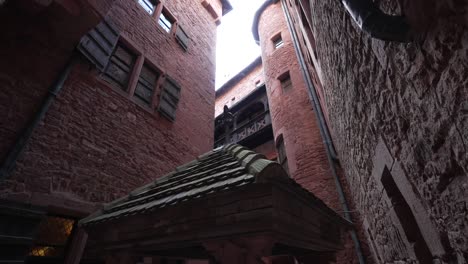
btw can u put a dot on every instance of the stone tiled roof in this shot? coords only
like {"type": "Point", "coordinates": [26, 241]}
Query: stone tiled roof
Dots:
{"type": "Point", "coordinates": [221, 169]}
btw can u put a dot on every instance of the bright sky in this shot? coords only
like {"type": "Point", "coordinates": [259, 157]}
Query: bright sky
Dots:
{"type": "Point", "coordinates": [236, 47]}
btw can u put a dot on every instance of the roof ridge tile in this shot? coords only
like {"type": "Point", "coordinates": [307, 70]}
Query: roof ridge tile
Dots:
{"type": "Point", "coordinates": [256, 164]}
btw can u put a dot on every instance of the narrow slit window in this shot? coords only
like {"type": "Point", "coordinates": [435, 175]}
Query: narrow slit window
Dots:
{"type": "Point", "coordinates": [166, 21]}
{"type": "Point", "coordinates": [286, 83]}
{"type": "Point", "coordinates": [407, 219]}
{"type": "Point", "coordinates": [146, 83]}
{"type": "Point", "coordinates": [148, 5]}
{"type": "Point", "coordinates": [282, 158]}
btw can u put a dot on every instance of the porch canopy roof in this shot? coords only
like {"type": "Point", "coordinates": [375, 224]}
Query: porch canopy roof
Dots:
{"type": "Point", "coordinates": [229, 195]}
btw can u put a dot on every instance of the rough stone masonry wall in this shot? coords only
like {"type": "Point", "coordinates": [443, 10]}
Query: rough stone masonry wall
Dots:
{"type": "Point", "coordinates": [94, 144]}
{"type": "Point", "coordinates": [415, 97]}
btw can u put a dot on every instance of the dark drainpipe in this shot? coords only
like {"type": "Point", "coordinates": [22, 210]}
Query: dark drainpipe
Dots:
{"type": "Point", "coordinates": [325, 134]}
{"type": "Point", "coordinates": [10, 160]}
{"type": "Point", "coordinates": [376, 23]}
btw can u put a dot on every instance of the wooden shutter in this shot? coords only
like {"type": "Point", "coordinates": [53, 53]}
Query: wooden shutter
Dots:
{"type": "Point", "coordinates": [169, 98]}
{"type": "Point", "coordinates": [146, 83]}
{"type": "Point", "coordinates": [99, 43]}
{"type": "Point", "coordinates": [120, 67]}
{"type": "Point", "coordinates": [182, 38]}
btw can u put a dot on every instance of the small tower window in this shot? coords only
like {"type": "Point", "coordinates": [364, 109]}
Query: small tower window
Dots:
{"type": "Point", "coordinates": [285, 80]}
{"type": "Point", "coordinates": [277, 41]}
{"type": "Point", "coordinates": [282, 158]}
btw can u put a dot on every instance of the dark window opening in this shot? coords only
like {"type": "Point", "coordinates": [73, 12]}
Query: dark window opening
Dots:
{"type": "Point", "coordinates": [219, 129]}
{"type": "Point", "coordinates": [286, 82]}
{"type": "Point", "coordinates": [309, 58]}
{"type": "Point", "coordinates": [219, 132]}
{"type": "Point", "coordinates": [120, 67]}
{"type": "Point", "coordinates": [308, 32]}
{"type": "Point", "coordinates": [406, 218]}
{"type": "Point", "coordinates": [250, 113]}
{"type": "Point", "coordinates": [277, 41]}
{"type": "Point", "coordinates": [305, 9]}
{"type": "Point", "coordinates": [282, 158]}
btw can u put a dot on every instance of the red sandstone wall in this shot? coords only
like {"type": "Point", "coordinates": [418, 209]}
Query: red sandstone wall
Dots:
{"type": "Point", "coordinates": [293, 117]}
{"type": "Point", "coordinates": [291, 111]}
{"type": "Point", "coordinates": [94, 144]}
{"type": "Point", "coordinates": [239, 90]}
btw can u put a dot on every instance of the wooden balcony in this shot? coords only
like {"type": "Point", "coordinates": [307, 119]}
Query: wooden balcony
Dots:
{"type": "Point", "coordinates": [241, 132]}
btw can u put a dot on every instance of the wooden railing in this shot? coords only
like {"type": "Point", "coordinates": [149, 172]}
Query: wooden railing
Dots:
{"type": "Point", "coordinates": [246, 130]}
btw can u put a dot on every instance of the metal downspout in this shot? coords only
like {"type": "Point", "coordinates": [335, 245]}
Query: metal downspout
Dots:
{"type": "Point", "coordinates": [10, 160]}
{"type": "Point", "coordinates": [323, 132]}
{"type": "Point", "coordinates": [376, 23]}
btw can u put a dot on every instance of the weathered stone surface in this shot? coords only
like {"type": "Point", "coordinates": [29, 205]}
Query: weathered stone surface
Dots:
{"type": "Point", "coordinates": [415, 97]}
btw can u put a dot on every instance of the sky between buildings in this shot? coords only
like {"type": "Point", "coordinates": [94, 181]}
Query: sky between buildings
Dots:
{"type": "Point", "coordinates": [236, 47]}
